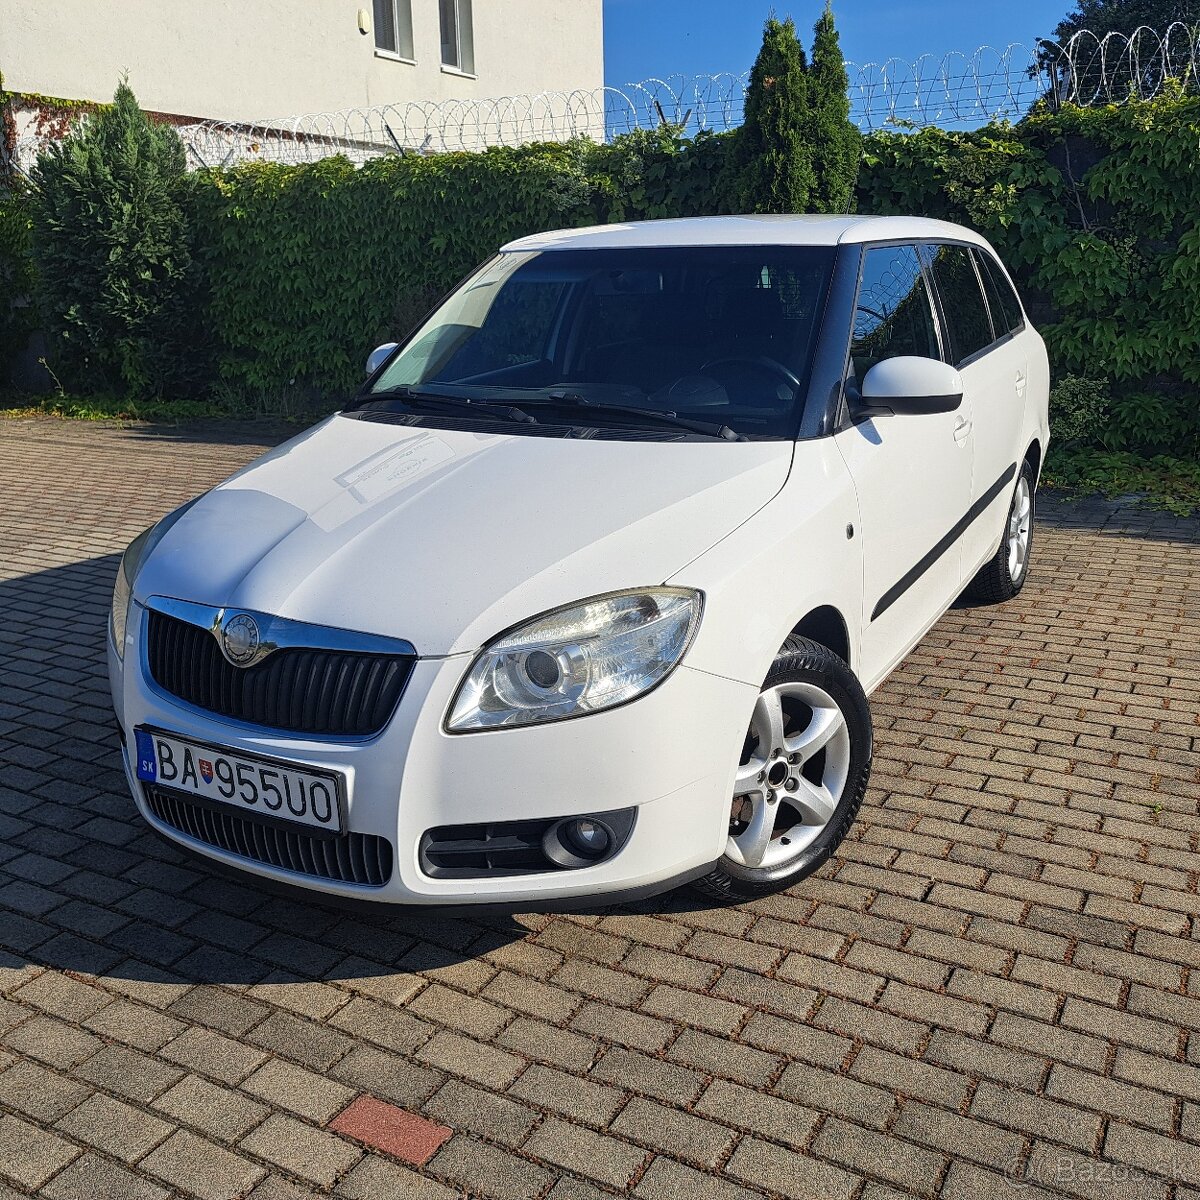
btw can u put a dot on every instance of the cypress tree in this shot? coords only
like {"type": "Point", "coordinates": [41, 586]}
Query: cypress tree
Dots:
{"type": "Point", "coordinates": [835, 142]}
{"type": "Point", "coordinates": [111, 247]}
{"type": "Point", "coordinates": [775, 160]}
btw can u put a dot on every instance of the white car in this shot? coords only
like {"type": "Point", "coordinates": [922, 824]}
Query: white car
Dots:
{"type": "Point", "coordinates": [583, 595]}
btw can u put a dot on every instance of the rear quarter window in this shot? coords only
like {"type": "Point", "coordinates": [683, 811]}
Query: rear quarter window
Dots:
{"type": "Point", "coordinates": [963, 306]}
{"type": "Point", "coordinates": [1002, 300]}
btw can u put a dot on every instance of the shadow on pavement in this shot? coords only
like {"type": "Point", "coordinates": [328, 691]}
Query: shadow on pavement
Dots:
{"type": "Point", "coordinates": [1121, 517]}
{"type": "Point", "coordinates": [251, 432]}
{"type": "Point", "coordinates": [87, 886]}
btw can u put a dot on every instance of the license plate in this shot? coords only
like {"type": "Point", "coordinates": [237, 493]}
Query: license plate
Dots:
{"type": "Point", "coordinates": [247, 782]}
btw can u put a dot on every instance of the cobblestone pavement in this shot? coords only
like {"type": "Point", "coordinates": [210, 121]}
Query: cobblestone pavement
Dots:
{"type": "Point", "coordinates": [997, 981]}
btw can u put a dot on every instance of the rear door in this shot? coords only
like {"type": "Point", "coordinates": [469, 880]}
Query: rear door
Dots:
{"type": "Point", "coordinates": [912, 474]}
{"type": "Point", "coordinates": [993, 364]}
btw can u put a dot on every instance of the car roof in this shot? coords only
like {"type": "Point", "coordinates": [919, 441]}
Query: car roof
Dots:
{"type": "Point", "coordinates": [752, 230]}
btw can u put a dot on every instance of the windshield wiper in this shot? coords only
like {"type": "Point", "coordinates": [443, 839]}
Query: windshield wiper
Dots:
{"type": "Point", "coordinates": [414, 397]}
{"type": "Point", "coordinates": [572, 400]}
{"type": "Point", "coordinates": [564, 400]}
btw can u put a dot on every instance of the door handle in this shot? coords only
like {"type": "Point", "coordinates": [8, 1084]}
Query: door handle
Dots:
{"type": "Point", "coordinates": [1020, 382]}
{"type": "Point", "coordinates": [962, 430]}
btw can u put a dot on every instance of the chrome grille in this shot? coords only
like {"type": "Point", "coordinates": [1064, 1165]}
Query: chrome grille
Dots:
{"type": "Point", "coordinates": [297, 689]}
{"type": "Point", "coordinates": [361, 858]}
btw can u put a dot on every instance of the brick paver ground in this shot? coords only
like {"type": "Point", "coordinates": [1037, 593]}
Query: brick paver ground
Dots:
{"type": "Point", "coordinates": [998, 977]}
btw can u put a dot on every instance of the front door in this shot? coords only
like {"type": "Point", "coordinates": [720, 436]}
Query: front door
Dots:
{"type": "Point", "coordinates": [912, 473]}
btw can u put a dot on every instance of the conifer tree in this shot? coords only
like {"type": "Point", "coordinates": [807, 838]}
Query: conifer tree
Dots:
{"type": "Point", "coordinates": [834, 140]}
{"type": "Point", "coordinates": [111, 248]}
{"type": "Point", "coordinates": [774, 158]}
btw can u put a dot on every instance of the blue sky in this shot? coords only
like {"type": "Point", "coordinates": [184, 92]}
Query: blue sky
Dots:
{"type": "Point", "coordinates": [645, 38]}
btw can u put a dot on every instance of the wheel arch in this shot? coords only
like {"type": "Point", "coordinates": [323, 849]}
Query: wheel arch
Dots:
{"type": "Point", "coordinates": [1033, 456]}
{"type": "Point", "coordinates": [826, 625]}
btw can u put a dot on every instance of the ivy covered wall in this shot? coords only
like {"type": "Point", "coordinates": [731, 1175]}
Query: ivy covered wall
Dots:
{"type": "Point", "coordinates": [302, 270]}
{"type": "Point", "coordinates": [308, 268]}
{"type": "Point", "coordinates": [1097, 212]}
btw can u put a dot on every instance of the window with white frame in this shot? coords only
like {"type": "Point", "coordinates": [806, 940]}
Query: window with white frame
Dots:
{"type": "Point", "coordinates": [458, 35]}
{"type": "Point", "coordinates": [393, 27]}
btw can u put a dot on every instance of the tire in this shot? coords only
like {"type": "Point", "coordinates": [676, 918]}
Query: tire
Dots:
{"type": "Point", "coordinates": [818, 782]}
{"type": "Point", "coordinates": [1004, 575]}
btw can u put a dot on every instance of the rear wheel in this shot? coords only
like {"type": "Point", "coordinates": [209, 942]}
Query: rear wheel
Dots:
{"type": "Point", "coordinates": [1003, 576]}
{"type": "Point", "coordinates": [801, 777]}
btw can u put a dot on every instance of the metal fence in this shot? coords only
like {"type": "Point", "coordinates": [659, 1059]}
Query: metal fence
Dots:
{"type": "Point", "coordinates": [955, 90]}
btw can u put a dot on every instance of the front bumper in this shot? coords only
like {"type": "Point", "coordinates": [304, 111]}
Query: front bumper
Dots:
{"type": "Point", "coordinates": [671, 754]}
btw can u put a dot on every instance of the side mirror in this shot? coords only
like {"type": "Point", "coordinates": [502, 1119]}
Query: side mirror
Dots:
{"type": "Point", "coordinates": [911, 386]}
{"type": "Point", "coordinates": [376, 358]}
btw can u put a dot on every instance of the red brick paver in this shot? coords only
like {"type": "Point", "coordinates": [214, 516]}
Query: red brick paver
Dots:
{"type": "Point", "coordinates": [996, 981]}
{"type": "Point", "coordinates": [391, 1129]}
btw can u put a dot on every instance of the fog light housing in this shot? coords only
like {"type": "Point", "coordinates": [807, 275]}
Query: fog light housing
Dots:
{"type": "Point", "coordinates": [583, 841]}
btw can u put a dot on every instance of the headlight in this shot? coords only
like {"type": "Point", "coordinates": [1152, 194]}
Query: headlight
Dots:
{"type": "Point", "coordinates": [131, 561]}
{"type": "Point", "coordinates": [123, 589]}
{"type": "Point", "coordinates": [578, 660]}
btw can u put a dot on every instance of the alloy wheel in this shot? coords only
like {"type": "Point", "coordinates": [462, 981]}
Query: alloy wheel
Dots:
{"type": "Point", "coordinates": [795, 763]}
{"type": "Point", "coordinates": [1020, 526]}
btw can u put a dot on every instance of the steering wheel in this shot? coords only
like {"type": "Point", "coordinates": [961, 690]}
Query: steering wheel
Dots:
{"type": "Point", "coordinates": [763, 363]}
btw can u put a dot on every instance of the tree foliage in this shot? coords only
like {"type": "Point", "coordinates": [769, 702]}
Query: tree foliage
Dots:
{"type": "Point", "coordinates": [1124, 16]}
{"type": "Point", "coordinates": [17, 310]}
{"type": "Point", "coordinates": [297, 272]}
{"type": "Point", "coordinates": [797, 150]}
{"type": "Point", "coordinates": [835, 141]}
{"type": "Point", "coordinates": [1097, 212]}
{"type": "Point", "coordinates": [1111, 75]}
{"type": "Point", "coordinates": [111, 250]}
{"type": "Point", "coordinates": [774, 154]}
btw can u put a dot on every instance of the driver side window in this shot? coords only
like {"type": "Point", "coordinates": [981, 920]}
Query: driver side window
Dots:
{"type": "Point", "coordinates": [893, 315]}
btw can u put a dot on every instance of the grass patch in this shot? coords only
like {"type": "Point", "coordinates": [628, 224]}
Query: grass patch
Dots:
{"type": "Point", "coordinates": [93, 408]}
{"type": "Point", "coordinates": [164, 411]}
{"type": "Point", "coordinates": [1171, 484]}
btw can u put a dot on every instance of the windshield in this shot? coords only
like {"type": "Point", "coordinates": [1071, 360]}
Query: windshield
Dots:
{"type": "Point", "coordinates": [721, 335]}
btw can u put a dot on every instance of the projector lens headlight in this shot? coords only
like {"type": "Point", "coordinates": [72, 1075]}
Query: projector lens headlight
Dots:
{"type": "Point", "coordinates": [577, 660]}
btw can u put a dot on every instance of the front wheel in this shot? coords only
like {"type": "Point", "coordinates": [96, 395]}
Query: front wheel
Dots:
{"type": "Point", "coordinates": [801, 777]}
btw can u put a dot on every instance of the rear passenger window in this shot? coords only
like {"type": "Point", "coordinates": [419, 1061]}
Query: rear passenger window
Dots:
{"type": "Point", "coordinates": [1002, 300]}
{"type": "Point", "coordinates": [894, 315]}
{"type": "Point", "coordinates": [962, 301]}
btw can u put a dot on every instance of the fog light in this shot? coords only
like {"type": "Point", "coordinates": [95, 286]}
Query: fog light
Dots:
{"type": "Point", "coordinates": [577, 842]}
{"type": "Point", "coordinates": [587, 838]}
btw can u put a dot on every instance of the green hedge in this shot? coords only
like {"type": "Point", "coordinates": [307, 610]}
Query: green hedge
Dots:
{"type": "Point", "coordinates": [1097, 211]}
{"type": "Point", "coordinates": [17, 288]}
{"type": "Point", "coordinates": [304, 269]}
{"type": "Point", "coordinates": [309, 267]}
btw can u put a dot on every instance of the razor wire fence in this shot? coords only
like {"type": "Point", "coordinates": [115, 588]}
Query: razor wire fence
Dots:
{"type": "Point", "coordinates": [955, 90]}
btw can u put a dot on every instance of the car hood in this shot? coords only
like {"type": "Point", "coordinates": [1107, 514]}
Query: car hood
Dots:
{"type": "Point", "coordinates": [445, 537]}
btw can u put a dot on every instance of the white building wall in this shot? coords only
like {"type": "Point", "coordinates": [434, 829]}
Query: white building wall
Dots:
{"type": "Point", "coordinates": [248, 60]}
